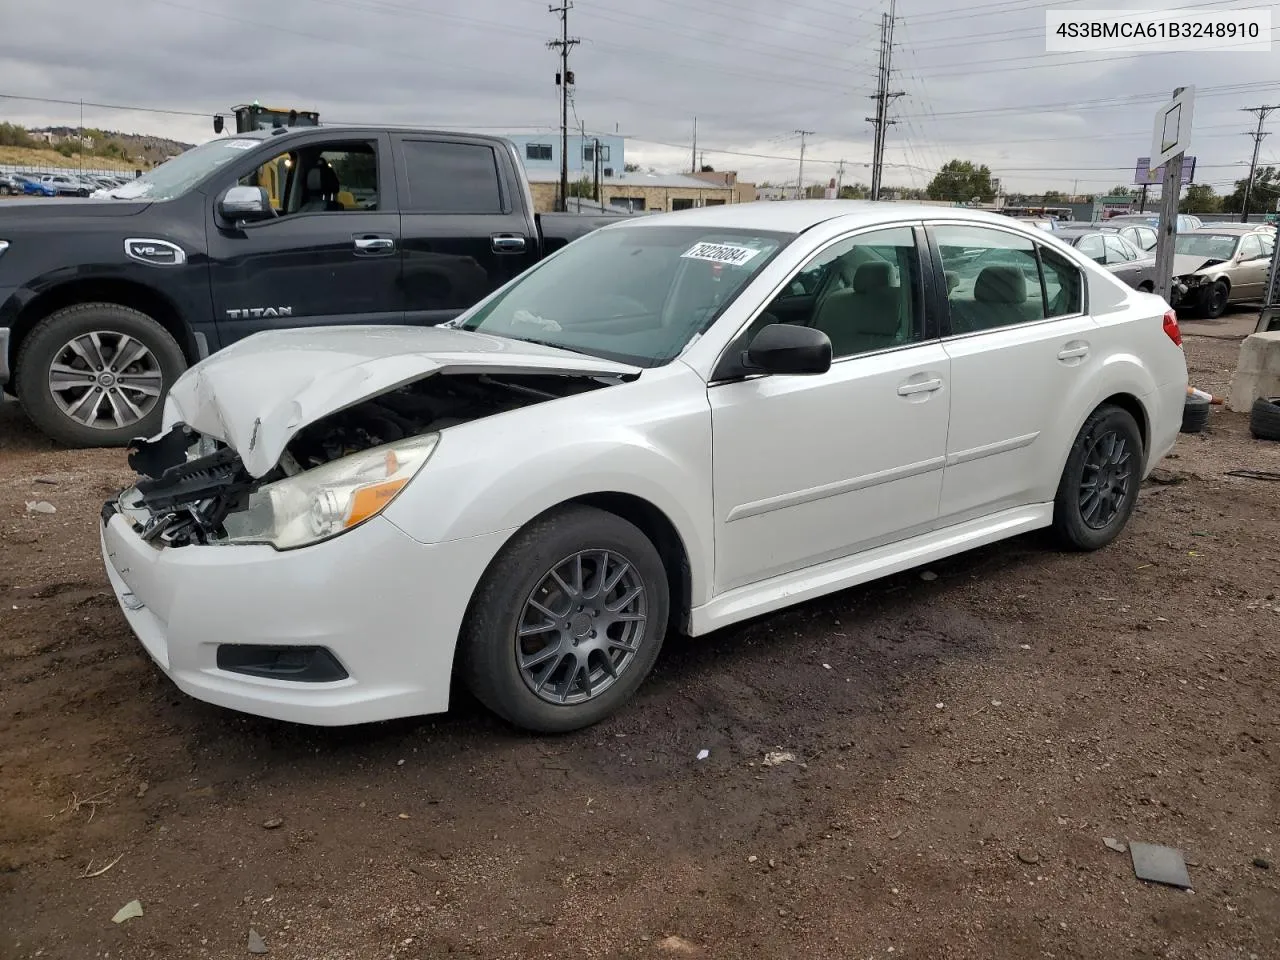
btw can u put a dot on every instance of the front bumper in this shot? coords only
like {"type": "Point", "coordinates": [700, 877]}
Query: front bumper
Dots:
{"type": "Point", "coordinates": [386, 606]}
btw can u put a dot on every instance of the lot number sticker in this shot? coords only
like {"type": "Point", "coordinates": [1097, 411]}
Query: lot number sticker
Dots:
{"type": "Point", "coordinates": [728, 253]}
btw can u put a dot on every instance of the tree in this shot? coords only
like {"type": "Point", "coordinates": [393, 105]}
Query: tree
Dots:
{"type": "Point", "coordinates": [1262, 198]}
{"type": "Point", "coordinates": [961, 181]}
{"type": "Point", "coordinates": [1052, 196]}
{"type": "Point", "coordinates": [582, 188]}
{"type": "Point", "coordinates": [707, 168]}
{"type": "Point", "coordinates": [855, 191]}
{"type": "Point", "coordinates": [12, 135]}
{"type": "Point", "coordinates": [631, 167]}
{"type": "Point", "coordinates": [1119, 190]}
{"type": "Point", "coordinates": [1200, 198]}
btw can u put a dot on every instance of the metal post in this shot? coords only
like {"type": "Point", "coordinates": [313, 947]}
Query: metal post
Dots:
{"type": "Point", "coordinates": [1168, 226]}
{"type": "Point", "coordinates": [1142, 202]}
{"type": "Point", "coordinates": [800, 194]}
{"type": "Point", "coordinates": [564, 44]}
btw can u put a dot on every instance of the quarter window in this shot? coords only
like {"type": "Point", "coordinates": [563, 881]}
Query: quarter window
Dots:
{"type": "Point", "coordinates": [1250, 247]}
{"type": "Point", "coordinates": [1063, 284]}
{"type": "Point", "coordinates": [993, 278]}
{"type": "Point", "coordinates": [1091, 247]}
{"type": "Point", "coordinates": [1116, 251]}
{"type": "Point", "coordinates": [863, 293]}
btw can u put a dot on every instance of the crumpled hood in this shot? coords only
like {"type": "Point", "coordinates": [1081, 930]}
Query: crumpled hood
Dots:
{"type": "Point", "coordinates": [258, 393]}
{"type": "Point", "coordinates": [1186, 263]}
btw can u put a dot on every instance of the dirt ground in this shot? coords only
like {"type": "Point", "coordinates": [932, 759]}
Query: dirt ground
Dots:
{"type": "Point", "coordinates": [962, 746]}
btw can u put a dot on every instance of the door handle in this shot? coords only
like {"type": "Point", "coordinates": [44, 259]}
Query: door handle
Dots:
{"type": "Point", "coordinates": [374, 244]}
{"type": "Point", "coordinates": [919, 386]}
{"type": "Point", "coordinates": [1074, 353]}
{"type": "Point", "coordinates": [508, 243]}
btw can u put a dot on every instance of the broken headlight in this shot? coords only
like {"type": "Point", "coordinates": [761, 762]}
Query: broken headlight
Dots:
{"type": "Point", "coordinates": [329, 499]}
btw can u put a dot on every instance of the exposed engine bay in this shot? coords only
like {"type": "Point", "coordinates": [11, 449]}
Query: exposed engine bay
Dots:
{"type": "Point", "coordinates": [190, 485]}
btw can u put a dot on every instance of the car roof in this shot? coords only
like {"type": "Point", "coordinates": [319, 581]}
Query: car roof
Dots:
{"type": "Point", "coordinates": [1232, 228]}
{"type": "Point", "coordinates": [796, 216]}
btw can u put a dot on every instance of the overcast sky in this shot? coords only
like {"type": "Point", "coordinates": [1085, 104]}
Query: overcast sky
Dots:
{"type": "Point", "coordinates": [977, 81]}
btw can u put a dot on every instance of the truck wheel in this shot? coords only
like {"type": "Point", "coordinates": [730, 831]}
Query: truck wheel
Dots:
{"type": "Point", "coordinates": [96, 374]}
{"type": "Point", "coordinates": [1100, 481]}
{"type": "Point", "coordinates": [567, 621]}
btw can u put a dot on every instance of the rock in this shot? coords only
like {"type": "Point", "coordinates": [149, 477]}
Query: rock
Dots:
{"type": "Point", "coordinates": [256, 943]}
{"type": "Point", "coordinates": [752, 859]}
{"type": "Point", "coordinates": [1262, 863]}
{"type": "Point", "coordinates": [703, 754]}
{"type": "Point", "coordinates": [143, 787]}
{"type": "Point", "coordinates": [40, 506]}
{"type": "Point", "coordinates": [50, 481]}
{"type": "Point", "coordinates": [674, 944]}
{"type": "Point", "coordinates": [1112, 843]}
{"type": "Point", "coordinates": [1029, 857]}
{"type": "Point", "coordinates": [130, 910]}
{"type": "Point", "coordinates": [272, 824]}
{"type": "Point", "coordinates": [775, 757]}
{"type": "Point", "coordinates": [928, 576]}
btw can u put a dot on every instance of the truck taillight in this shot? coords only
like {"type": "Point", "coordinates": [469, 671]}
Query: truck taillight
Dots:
{"type": "Point", "coordinates": [1171, 328]}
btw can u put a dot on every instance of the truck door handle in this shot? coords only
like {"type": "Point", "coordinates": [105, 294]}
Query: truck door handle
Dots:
{"type": "Point", "coordinates": [919, 386]}
{"type": "Point", "coordinates": [507, 243]}
{"type": "Point", "coordinates": [374, 244]}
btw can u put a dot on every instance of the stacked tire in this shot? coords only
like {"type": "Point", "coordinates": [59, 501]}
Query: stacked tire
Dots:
{"type": "Point", "coordinates": [1195, 414]}
{"type": "Point", "coordinates": [1264, 418]}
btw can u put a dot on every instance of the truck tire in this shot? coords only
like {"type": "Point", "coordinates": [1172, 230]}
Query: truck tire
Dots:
{"type": "Point", "coordinates": [1264, 418]}
{"type": "Point", "coordinates": [96, 374]}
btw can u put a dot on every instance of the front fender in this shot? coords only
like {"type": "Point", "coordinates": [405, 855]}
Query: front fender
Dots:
{"type": "Point", "coordinates": [650, 439]}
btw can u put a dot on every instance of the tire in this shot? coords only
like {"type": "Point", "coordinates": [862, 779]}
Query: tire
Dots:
{"type": "Point", "coordinates": [1146, 286]}
{"type": "Point", "coordinates": [116, 329]}
{"type": "Point", "coordinates": [1264, 418]}
{"type": "Point", "coordinates": [1215, 301]}
{"type": "Point", "coordinates": [1195, 415]}
{"type": "Point", "coordinates": [489, 644]}
{"type": "Point", "coordinates": [1071, 521]}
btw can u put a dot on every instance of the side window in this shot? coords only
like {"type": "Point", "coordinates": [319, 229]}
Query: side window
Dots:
{"type": "Point", "coordinates": [445, 177]}
{"type": "Point", "coordinates": [1116, 250]}
{"type": "Point", "coordinates": [1268, 244]}
{"type": "Point", "coordinates": [1091, 247]}
{"type": "Point", "coordinates": [997, 278]}
{"type": "Point", "coordinates": [1063, 285]}
{"type": "Point", "coordinates": [863, 293]}
{"type": "Point", "coordinates": [329, 178]}
{"type": "Point", "coordinates": [1146, 238]}
{"type": "Point", "coordinates": [1250, 247]}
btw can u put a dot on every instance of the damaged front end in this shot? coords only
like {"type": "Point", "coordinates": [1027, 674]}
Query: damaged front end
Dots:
{"type": "Point", "coordinates": [333, 474]}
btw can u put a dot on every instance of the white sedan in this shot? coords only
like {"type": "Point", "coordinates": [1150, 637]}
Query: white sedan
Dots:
{"type": "Point", "coordinates": [669, 426]}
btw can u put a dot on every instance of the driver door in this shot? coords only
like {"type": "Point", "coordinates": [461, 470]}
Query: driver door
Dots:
{"type": "Point", "coordinates": [814, 468]}
{"type": "Point", "coordinates": [332, 256]}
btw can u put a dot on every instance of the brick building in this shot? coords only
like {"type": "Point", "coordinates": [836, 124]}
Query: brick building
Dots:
{"type": "Point", "coordinates": [636, 192]}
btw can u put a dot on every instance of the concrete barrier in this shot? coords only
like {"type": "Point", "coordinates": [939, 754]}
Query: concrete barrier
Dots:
{"type": "Point", "coordinates": [1257, 372]}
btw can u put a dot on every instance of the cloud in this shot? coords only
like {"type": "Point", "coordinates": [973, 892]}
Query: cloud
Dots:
{"type": "Point", "coordinates": [752, 72]}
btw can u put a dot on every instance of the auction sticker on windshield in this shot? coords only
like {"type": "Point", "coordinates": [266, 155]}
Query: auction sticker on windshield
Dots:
{"type": "Point", "coordinates": [729, 253]}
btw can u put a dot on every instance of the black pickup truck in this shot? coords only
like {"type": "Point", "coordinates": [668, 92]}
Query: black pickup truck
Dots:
{"type": "Point", "coordinates": [105, 301]}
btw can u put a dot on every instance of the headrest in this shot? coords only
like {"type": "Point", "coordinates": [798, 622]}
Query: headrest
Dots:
{"type": "Point", "coordinates": [1001, 284]}
{"type": "Point", "coordinates": [872, 276]}
{"type": "Point", "coordinates": [322, 180]}
{"type": "Point", "coordinates": [314, 182]}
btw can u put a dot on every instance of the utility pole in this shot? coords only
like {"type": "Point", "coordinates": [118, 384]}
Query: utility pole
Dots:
{"type": "Point", "coordinates": [1253, 164]}
{"type": "Point", "coordinates": [595, 167]}
{"type": "Point", "coordinates": [693, 157]}
{"type": "Point", "coordinates": [839, 177]}
{"type": "Point", "coordinates": [564, 79]}
{"type": "Point", "coordinates": [882, 97]}
{"type": "Point", "coordinates": [800, 175]}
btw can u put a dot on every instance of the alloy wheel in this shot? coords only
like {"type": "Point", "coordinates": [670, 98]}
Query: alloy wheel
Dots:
{"type": "Point", "coordinates": [105, 380]}
{"type": "Point", "coordinates": [581, 627]}
{"type": "Point", "coordinates": [1106, 480]}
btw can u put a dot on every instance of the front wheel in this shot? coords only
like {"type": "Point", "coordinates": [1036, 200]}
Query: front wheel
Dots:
{"type": "Point", "coordinates": [1099, 485]}
{"type": "Point", "coordinates": [1215, 301]}
{"type": "Point", "coordinates": [566, 622]}
{"type": "Point", "coordinates": [96, 374]}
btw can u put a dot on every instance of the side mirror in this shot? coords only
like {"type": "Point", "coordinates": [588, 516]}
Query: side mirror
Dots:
{"type": "Point", "coordinates": [245, 205]}
{"type": "Point", "coordinates": [787, 348]}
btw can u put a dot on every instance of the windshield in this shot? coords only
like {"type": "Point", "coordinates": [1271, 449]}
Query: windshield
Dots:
{"type": "Point", "coordinates": [175, 177]}
{"type": "Point", "coordinates": [1218, 246]}
{"type": "Point", "coordinates": [636, 294]}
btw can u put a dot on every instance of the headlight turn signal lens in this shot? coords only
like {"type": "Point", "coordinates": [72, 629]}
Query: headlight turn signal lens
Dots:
{"type": "Point", "coordinates": [331, 498]}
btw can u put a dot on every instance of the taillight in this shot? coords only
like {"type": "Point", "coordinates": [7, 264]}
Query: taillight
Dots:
{"type": "Point", "coordinates": [1171, 328]}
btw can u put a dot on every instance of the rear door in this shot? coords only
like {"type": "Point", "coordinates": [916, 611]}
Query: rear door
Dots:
{"type": "Point", "coordinates": [466, 229]}
{"type": "Point", "coordinates": [332, 254]}
{"type": "Point", "coordinates": [1019, 340]}
{"type": "Point", "coordinates": [1250, 276]}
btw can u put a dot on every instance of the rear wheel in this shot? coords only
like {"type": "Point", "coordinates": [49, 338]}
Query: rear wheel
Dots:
{"type": "Point", "coordinates": [95, 374]}
{"type": "Point", "coordinates": [1099, 485]}
{"type": "Point", "coordinates": [567, 622]}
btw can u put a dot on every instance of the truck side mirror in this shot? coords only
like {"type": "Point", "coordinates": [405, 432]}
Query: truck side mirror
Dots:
{"type": "Point", "coordinates": [245, 205]}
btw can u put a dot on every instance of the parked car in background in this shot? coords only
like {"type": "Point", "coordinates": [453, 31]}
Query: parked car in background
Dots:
{"type": "Point", "coordinates": [1040, 223]}
{"type": "Point", "coordinates": [37, 187]}
{"type": "Point", "coordinates": [1186, 221]}
{"type": "Point", "coordinates": [1110, 249]}
{"type": "Point", "coordinates": [674, 424]}
{"type": "Point", "coordinates": [67, 186]}
{"type": "Point", "coordinates": [1223, 264]}
{"type": "Point", "coordinates": [104, 303]}
{"type": "Point", "coordinates": [11, 184]}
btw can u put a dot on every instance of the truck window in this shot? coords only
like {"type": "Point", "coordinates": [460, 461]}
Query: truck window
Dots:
{"type": "Point", "coordinates": [445, 177]}
{"type": "Point", "coordinates": [328, 178]}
